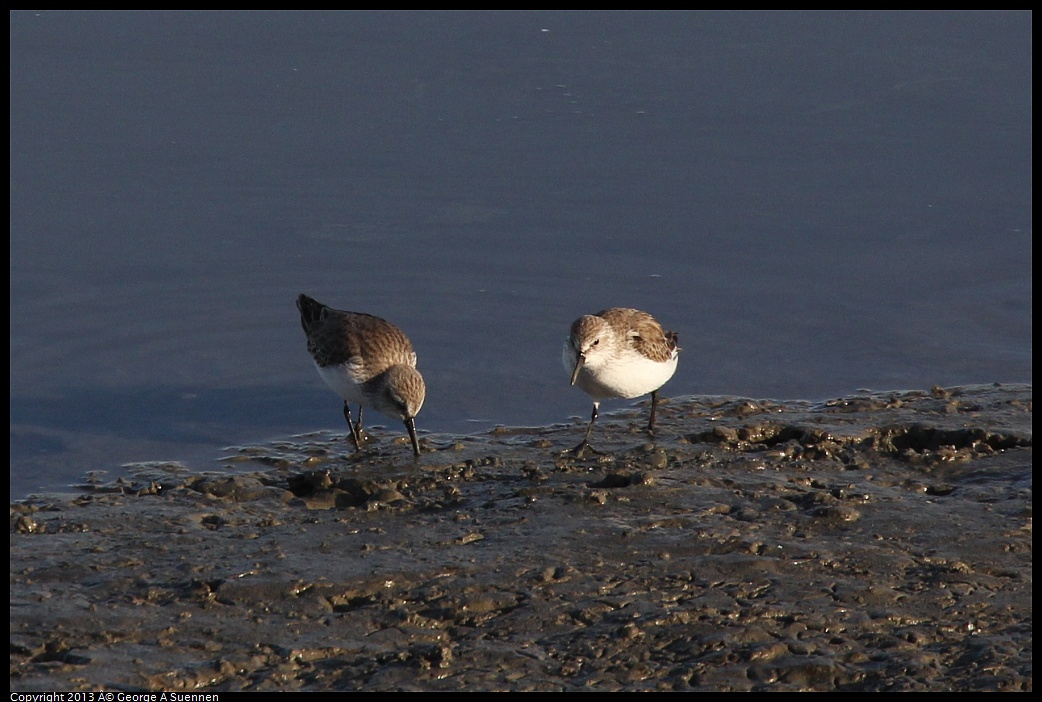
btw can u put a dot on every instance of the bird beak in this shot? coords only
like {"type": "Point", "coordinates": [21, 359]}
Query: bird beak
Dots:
{"type": "Point", "coordinates": [410, 424]}
{"type": "Point", "coordinates": [580, 359]}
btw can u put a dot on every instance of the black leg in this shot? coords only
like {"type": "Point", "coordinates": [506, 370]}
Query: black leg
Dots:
{"type": "Point", "coordinates": [584, 445]}
{"type": "Point", "coordinates": [654, 403]}
{"type": "Point", "coordinates": [355, 437]}
{"type": "Point", "coordinates": [363, 438]}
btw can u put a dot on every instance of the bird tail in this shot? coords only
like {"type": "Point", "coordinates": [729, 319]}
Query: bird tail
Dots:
{"type": "Point", "coordinates": [310, 311]}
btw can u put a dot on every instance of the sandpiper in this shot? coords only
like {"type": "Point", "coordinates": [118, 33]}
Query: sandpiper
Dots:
{"type": "Point", "coordinates": [619, 353]}
{"type": "Point", "coordinates": [367, 361]}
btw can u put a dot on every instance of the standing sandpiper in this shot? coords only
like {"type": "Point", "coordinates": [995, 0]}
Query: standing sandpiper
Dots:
{"type": "Point", "coordinates": [619, 353]}
{"type": "Point", "coordinates": [367, 361]}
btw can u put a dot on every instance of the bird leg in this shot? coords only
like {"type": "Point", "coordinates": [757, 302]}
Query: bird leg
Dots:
{"type": "Point", "coordinates": [362, 436]}
{"type": "Point", "coordinates": [584, 445]}
{"type": "Point", "coordinates": [654, 403]}
{"type": "Point", "coordinates": [358, 435]}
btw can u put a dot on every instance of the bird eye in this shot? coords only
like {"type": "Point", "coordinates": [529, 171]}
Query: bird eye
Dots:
{"type": "Point", "coordinates": [596, 341]}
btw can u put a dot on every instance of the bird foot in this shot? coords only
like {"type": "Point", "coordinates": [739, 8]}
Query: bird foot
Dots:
{"type": "Point", "coordinates": [360, 439]}
{"type": "Point", "coordinates": [581, 450]}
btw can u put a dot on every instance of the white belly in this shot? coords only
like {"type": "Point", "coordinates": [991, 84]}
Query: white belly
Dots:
{"type": "Point", "coordinates": [626, 376]}
{"type": "Point", "coordinates": [343, 382]}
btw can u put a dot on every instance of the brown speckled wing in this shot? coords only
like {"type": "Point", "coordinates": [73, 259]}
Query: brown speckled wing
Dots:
{"type": "Point", "coordinates": [643, 331]}
{"type": "Point", "coordinates": [337, 337]}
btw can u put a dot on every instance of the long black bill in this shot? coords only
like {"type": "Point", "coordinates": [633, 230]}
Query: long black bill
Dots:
{"type": "Point", "coordinates": [580, 359]}
{"type": "Point", "coordinates": [410, 424]}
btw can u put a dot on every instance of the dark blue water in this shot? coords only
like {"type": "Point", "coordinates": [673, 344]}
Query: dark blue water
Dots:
{"type": "Point", "coordinates": [816, 202]}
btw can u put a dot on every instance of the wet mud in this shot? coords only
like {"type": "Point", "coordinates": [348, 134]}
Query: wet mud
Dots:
{"type": "Point", "coordinates": [880, 542]}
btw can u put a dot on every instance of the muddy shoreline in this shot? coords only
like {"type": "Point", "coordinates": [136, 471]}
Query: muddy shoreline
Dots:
{"type": "Point", "coordinates": [877, 542]}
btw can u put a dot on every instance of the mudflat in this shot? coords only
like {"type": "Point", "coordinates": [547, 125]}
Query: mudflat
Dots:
{"type": "Point", "coordinates": [876, 542]}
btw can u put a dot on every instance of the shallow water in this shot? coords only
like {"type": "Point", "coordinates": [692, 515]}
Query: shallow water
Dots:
{"type": "Point", "coordinates": [815, 202]}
